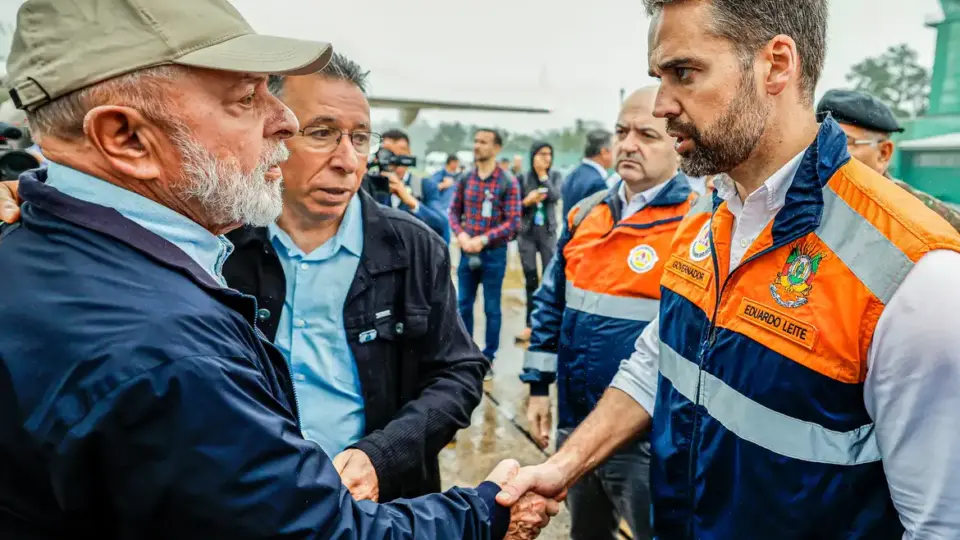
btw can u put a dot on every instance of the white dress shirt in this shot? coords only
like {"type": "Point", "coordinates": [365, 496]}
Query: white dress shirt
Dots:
{"type": "Point", "coordinates": [639, 201]}
{"type": "Point", "coordinates": [912, 387]}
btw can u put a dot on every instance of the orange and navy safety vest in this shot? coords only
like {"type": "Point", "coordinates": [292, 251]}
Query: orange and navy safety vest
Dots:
{"type": "Point", "coordinates": [760, 429]}
{"type": "Point", "coordinates": [598, 294]}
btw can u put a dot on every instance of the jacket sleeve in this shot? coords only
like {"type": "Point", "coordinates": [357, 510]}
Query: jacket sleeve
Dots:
{"type": "Point", "coordinates": [540, 359]}
{"type": "Point", "coordinates": [455, 212]}
{"type": "Point", "coordinates": [451, 369]}
{"type": "Point", "coordinates": [553, 187]}
{"type": "Point", "coordinates": [425, 213]}
{"type": "Point", "coordinates": [201, 446]}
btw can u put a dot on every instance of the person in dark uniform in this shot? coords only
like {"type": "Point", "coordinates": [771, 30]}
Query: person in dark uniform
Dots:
{"type": "Point", "coordinates": [868, 123]}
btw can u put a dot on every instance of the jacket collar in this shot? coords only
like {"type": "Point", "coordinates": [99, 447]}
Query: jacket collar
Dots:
{"type": "Point", "coordinates": [677, 191]}
{"type": "Point", "coordinates": [383, 248]}
{"type": "Point", "coordinates": [111, 223]}
{"type": "Point", "coordinates": [803, 208]}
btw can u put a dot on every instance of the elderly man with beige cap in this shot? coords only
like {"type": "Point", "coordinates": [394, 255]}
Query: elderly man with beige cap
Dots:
{"type": "Point", "coordinates": [137, 400]}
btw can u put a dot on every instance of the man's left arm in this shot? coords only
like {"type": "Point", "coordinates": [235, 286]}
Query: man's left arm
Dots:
{"type": "Point", "coordinates": [913, 373]}
{"type": "Point", "coordinates": [451, 370]}
{"type": "Point", "coordinates": [512, 210]}
{"type": "Point", "coordinates": [553, 186]}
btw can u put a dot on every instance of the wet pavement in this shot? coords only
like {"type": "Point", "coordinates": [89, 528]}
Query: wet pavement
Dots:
{"type": "Point", "coordinates": [496, 432]}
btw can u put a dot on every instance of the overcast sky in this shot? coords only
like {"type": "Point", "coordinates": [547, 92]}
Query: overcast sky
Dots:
{"type": "Point", "coordinates": [573, 59]}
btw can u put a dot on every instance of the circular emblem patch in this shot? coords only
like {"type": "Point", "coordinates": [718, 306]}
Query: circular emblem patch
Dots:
{"type": "Point", "coordinates": [642, 259]}
{"type": "Point", "coordinates": [700, 249]}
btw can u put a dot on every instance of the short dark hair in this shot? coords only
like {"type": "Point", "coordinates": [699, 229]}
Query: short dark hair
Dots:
{"type": "Point", "coordinates": [395, 135]}
{"type": "Point", "coordinates": [339, 68]}
{"type": "Point", "coordinates": [597, 140]}
{"type": "Point", "coordinates": [749, 24]}
{"type": "Point", "coordinates": [497, 139]}
{"type": "Point", "coordinates": [451, 158]}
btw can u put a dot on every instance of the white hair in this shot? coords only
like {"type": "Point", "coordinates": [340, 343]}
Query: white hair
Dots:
{"type": "Point", "coordinates": [226, 193]}
{"type": "Point", "coordinates": [143, 90]}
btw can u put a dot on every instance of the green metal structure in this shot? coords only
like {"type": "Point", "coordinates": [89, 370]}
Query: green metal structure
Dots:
{"type": "Point", "coordinates": [929, 150]}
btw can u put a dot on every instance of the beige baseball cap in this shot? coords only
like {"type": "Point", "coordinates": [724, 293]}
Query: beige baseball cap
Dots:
{"type": "Point", "coordinates": [64, 45]}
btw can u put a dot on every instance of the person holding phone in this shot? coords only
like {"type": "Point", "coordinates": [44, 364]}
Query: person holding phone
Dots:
{"type": "Point", "coordinates": [540, 190]}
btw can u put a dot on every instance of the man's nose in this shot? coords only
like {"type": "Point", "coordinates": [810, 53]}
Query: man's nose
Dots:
{"type": "Point", "coordinates": [665, 106]}
{"type": "Point", "coordinates": [345, 156]}
{"type": "Point", "coordinates": [282, 123]}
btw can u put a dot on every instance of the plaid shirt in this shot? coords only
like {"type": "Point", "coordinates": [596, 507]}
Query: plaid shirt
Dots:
{"type": "Point", "coordinates": [467, 207]}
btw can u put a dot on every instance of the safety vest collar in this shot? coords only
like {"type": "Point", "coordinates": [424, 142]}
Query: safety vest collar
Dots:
{"type": "Point", "coordinates": [803, 209]}
{"type": "Point", "coordinates": [677, 191]}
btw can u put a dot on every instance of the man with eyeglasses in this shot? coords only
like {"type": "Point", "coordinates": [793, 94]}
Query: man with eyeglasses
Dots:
{"type": "Point", "coordinates": [360, 301]}
{"type": "Point", "coordinates": [868, 123]}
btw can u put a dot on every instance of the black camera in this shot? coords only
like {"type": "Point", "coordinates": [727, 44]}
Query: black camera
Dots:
{"type": "Point", "coordinates": [13, 161]}
{"type": "Point", "coordinates": [383, 161]}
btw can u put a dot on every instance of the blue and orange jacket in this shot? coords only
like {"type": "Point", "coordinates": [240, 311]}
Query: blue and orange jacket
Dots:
{"type": "Point", "coordinates": [760, 429]}
{"type": "Point", "coordinates": [598, 293]}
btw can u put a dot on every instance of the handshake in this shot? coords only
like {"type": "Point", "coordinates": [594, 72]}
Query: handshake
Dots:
{"type": "Point", "coordinates": [533, 495]}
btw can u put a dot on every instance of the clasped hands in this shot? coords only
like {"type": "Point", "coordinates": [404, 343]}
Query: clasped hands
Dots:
{"type": "Point", "coordinates": [530, 511]}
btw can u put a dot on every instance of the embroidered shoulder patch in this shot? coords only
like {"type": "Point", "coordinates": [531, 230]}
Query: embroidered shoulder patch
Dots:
{"type": "Point", "coordinates": [793, 284]}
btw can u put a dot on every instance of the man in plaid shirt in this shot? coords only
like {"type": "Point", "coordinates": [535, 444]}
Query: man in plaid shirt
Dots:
{"type": "Point", "coordinates": [484, 216]}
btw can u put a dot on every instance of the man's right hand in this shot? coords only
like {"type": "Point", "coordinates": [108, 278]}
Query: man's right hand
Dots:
{"type": "Point", "coordinates": [446, 184]}
{"type": "Point", "coordinates": [546, 480]}
{"type": "Point", "coordinates": [9, 202]}
{"type": "Point", "coordinates": [533, 198]}
{"type": "Point", "coordinates": [530, 512]}
{"type": "Point", "coordinates": [540, 419]}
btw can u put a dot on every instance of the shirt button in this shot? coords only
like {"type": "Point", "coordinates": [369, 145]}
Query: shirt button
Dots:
{"type": "Point", "coordinates": [263, 314]}
{"type": "Point", "coordinates": [301, 377]}
{"type": "Point", "coordinates": [304, 266]}
{"type": "Point", "coordinates": [744, 243]}
{"type": "Point", "coordinates": [299, 323]}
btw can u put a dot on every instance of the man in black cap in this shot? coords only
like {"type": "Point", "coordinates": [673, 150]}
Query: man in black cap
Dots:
{"type": "Point", "coordinates": [868, 123]}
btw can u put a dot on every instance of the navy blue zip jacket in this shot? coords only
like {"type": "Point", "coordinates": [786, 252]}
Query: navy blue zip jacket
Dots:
{"type": "Point", "coordinates": [137, 401]}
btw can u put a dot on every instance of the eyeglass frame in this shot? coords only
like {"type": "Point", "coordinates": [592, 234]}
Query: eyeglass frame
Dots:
{"type": "Point", "coordinates": [865, 142]}
{"type": "Point", "coordinates": [375, 138]}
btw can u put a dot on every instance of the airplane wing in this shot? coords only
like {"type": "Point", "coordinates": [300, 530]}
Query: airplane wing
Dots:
{"type": "Point", "coordinates": [410, 108]}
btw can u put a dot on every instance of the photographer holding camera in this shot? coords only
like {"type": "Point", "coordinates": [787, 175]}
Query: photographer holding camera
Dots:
{"type": "Point", "coordinates": [390, 182]}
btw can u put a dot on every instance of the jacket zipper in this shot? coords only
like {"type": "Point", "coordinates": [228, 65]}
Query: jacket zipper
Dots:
{"type": "Point", "coordinates": [296, 399]}
{"type": "Point", "coordinates": [705, 346]}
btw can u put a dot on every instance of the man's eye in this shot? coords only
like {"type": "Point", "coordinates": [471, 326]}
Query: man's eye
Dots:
{"type": "Point", "coordinates": [248, 100]}
{"type": "Point", "coordinates": [683, 74]}
{"type": "Point", "coordinates": [322, 133]}
{"type": "Point", "coordinates": [621, 134]}
{"type": "Point", "coordinates": [361, 138]}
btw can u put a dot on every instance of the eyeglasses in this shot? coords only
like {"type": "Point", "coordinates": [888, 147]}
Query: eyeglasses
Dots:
{"type": "Point", "coordinates": [327, 138]}
{"type": "Point", "coordinates": [863, 142]}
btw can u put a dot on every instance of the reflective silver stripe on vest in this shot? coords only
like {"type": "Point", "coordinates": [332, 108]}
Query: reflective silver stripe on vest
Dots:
{"type": "Point", "coordinates": [871, 256]}
{"type": "Point", "coordinates": [765, 427]}
{"type": "Point", "coordinates": [615, 307]}
{"type": "Point", "coordinates": [540, 361]}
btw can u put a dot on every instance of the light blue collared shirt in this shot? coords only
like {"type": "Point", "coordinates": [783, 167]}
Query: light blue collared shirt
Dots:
{"type": "Point", "coordinates": [312, 337]}
{"type": "Point", "coordinates": [206, 249]}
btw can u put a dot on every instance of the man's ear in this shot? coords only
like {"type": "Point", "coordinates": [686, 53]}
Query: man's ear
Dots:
{"type": "Point", "coordinates": [886, 153]}
{"type": "Point", "coordinates": [783, 64]}
{"type": "Point", "coordinates": [126, 139]}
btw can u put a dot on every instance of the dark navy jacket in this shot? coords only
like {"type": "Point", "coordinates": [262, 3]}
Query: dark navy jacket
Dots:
{"type": "Point", "coordinates": [137, 401]}
{"type": "Point", "coordinates": [588, 312]}
{"type": "Point", "coordinates": [583, 182]}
